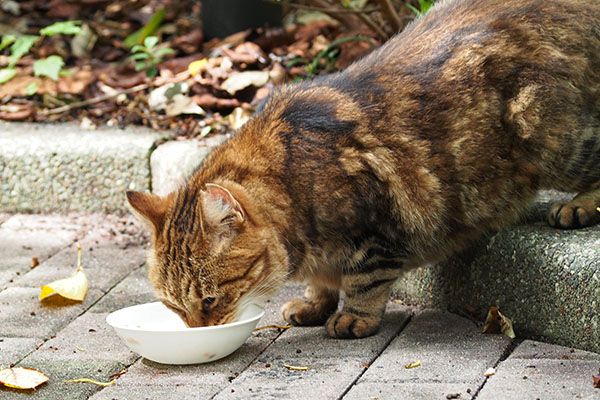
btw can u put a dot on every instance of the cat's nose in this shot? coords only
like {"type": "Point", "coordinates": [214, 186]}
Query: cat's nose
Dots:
{"type": "Point", "coordinates": [194, 321]}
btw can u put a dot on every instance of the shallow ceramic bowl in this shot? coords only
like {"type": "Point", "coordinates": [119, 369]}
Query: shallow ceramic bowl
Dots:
{"type": "Point", "coordinates": [157, 333]}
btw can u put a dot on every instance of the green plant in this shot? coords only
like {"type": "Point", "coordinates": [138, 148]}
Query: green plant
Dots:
{"type": "Point", "coordinates": [424, 6]}
{"type": "Point", "coordinates": [329, 55]}
{"type": "Point", "coordinates": [19, 46]}
{"type": "Point", "coordinates": [147, 56]}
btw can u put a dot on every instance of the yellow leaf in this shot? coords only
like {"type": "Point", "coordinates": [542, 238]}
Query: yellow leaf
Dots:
{"type": "Point", "coordinates": [87, 380]}
{"type": "Point", "coordinates": [72, 288]}
{"type": "Point", "coordinates": [498, 323]}
{"type": "Point", "coordinates": [22, 377]}
{"type": "Point", "coordinates": [413, 365]}
{"type": "Point", "coordinates": [295, 368]}
{"type": "Point", "coordinates": [196, 67]}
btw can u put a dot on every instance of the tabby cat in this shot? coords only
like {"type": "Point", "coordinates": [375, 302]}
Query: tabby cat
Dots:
{"type": "Point", "coordinates": [443, 134]}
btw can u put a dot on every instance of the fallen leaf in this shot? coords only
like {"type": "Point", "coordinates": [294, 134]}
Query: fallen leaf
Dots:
{"type": "Point", "coordinates": [241, 80]}
{"type": "Point", "coordinates": [72, 288]}
{"type": "Point", "coordinates": [490, 372]}
{"type": "Point", "coordinates": [295, 368]}
{"type": "Point", "coordinates": [196, 67]}
{"type": "Point", "coordinates": [22, 377]}
{"type": "Point", "coordinates": [208, 100]}
{"type": "Point", "coordinates": [182, 104]}
{"type": "Point", "coordinates": [15, 112]}
{"type": "Point", "coordinates": [238, 117]}
{"type": "Point", "coordinates": [19, 84]}
{"type": "Point", "coordinates": [596, 379]}
{"type": "Point", "coordinates": [34, 262]}
{"type": "Point", "coordinates": [413, 365]}
{"type": "Point", "coordinates": [88, 380]}
{"type": "Point", "coordinates": [272, 327]}
{"type": "Point", "coordinates": [498, 323]}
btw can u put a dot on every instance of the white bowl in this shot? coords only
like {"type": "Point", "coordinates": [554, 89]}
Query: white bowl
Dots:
{"type": "Point", "coordinates": [157, 333]}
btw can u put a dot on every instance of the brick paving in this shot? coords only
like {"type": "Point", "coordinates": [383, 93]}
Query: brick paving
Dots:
{"type": "Point", "coordinates": [73, 341]}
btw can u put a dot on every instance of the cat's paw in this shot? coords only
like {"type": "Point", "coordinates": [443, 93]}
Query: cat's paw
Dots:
{"type": "Point", "coordinates": [578, 213]}
{"type": "Point", "coordinates": [345, 325]}
{"type": "Point", "coordinates": [303, 312]}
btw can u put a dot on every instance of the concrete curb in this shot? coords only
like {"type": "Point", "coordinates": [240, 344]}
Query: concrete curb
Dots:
{"type": "Point", "coordinates": [546, 280]}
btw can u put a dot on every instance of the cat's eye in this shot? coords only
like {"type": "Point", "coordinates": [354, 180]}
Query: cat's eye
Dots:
{"type": "Point", "coordinates": [207, 304]}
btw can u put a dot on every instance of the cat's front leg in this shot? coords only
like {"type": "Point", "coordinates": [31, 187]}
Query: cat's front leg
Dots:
{"type": "Point", "coordinates": [317, 305]}
{"type": "Point", "coordinates": [366, 297]}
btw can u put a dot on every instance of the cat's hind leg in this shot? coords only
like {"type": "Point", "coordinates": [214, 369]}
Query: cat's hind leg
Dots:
{"type": "Point", "coordinates": [580, 212]}
{"type": "Point", "coordinates": [317, 305]}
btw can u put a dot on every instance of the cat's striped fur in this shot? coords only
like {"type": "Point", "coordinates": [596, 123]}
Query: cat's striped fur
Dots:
{"type": "Point", "coordinates": [441, 135]}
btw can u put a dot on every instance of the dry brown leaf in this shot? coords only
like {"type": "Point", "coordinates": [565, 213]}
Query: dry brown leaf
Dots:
{"type": "Point", "coordinates": [238, 117]}
{"type": "Point", "coordinates": [498, 323]}
{"type": "Point", "coordinates": [15, 112]}
{"type": "Point", "coordinates": [596, 379]}
{"type": "Point", "coordinates": [241, 80]}
{"type": "Point", "coordinates": [17, 86]}
{"type": "Point", "coordinates": [73, 288]}
{"type": "Point", "coordinates": [22, 377]}
{"type": "Point", "coordinates": [76, 83]}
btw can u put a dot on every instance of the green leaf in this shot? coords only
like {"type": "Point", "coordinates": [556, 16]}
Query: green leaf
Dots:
{"type": "Point", "coordinates": [413, 9]}
{"type": "Point", "coordinates": [140, 66]}
{"type": "Point", "coordinates": [205, 131]}
{"type": "Point", "coordinates": [6, 74]}
{"type": "Point", "coordinates": [65, 28]}
{"type": "Point", "coordinates": [7, 40]}
{"type": "Point", "coordinates": [65, 72]}
{"type": "Point", "coordinates": [140, 35]}
{"type": "Point", "coordinates": [150, 42]}
{"type": "Point", "coordinates": [425, 5]}
{"type": "Point", "coordinates": [21, 47]}
{"type": "Point", "coordinates": [32, 88]}
{"type": "Point", "coordinates": [49, 67]}
{"type": "Point", "coordinates": [137, 48]}
{"type": "Point", "coordinates": [151, 71]}
{"type": "Point", "coordinates": [160, 53]}
{"type": "Point", "coordinates": [139, 56]}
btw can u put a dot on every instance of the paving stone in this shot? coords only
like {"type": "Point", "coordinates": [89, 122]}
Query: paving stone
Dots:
{"type": "Point", "coordinates": [105, 262]}
{"type": "Point", "coordinates": [134, 289]}
{"type": "Point", "coordinates": [12, 350]}
{"type": "Point", "coordinates": [174, 161]}
{"type": "Point", "coordinates": [59, 167]}
{"type": "Point", "coordinates": [333, 364]}
{"type": "Point", "coordinates": [61, 371]}
{"type": "Point", "coordinates": [540, 370]}
{"type": "Point", "coordinates": [23, 238]}
{"type": "Point", "coordinates": [453, 352]}
{"type": "Point", "coordinates": [23, 315]}
{"type": "Point", "coordinates": [88, 337]}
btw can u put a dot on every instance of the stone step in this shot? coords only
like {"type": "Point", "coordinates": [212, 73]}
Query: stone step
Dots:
{"type": "Point", "coordinates": [546, 280]}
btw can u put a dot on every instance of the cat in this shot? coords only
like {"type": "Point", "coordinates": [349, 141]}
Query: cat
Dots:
{"type": "Point", "coordinates": [443, 134]}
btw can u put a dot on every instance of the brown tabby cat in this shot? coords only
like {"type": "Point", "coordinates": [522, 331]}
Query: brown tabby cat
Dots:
{"type": "Point", "coordinates": [442, 135]}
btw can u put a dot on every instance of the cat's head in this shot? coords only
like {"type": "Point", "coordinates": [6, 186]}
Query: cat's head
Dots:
{"type": "Point", "coordinates": [211, 254]}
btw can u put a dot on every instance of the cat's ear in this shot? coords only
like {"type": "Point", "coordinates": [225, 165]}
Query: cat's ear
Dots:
{"type": "Point", "coordinates": [149, 207]}
{"type": "Point", "coordinates": [220, 206]}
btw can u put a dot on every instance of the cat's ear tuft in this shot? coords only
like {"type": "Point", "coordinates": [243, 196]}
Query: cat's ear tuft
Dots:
{"type": "Point", "coordinates": [220, 206]}
{"type": "Point", "coordinates": [149, 207]}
